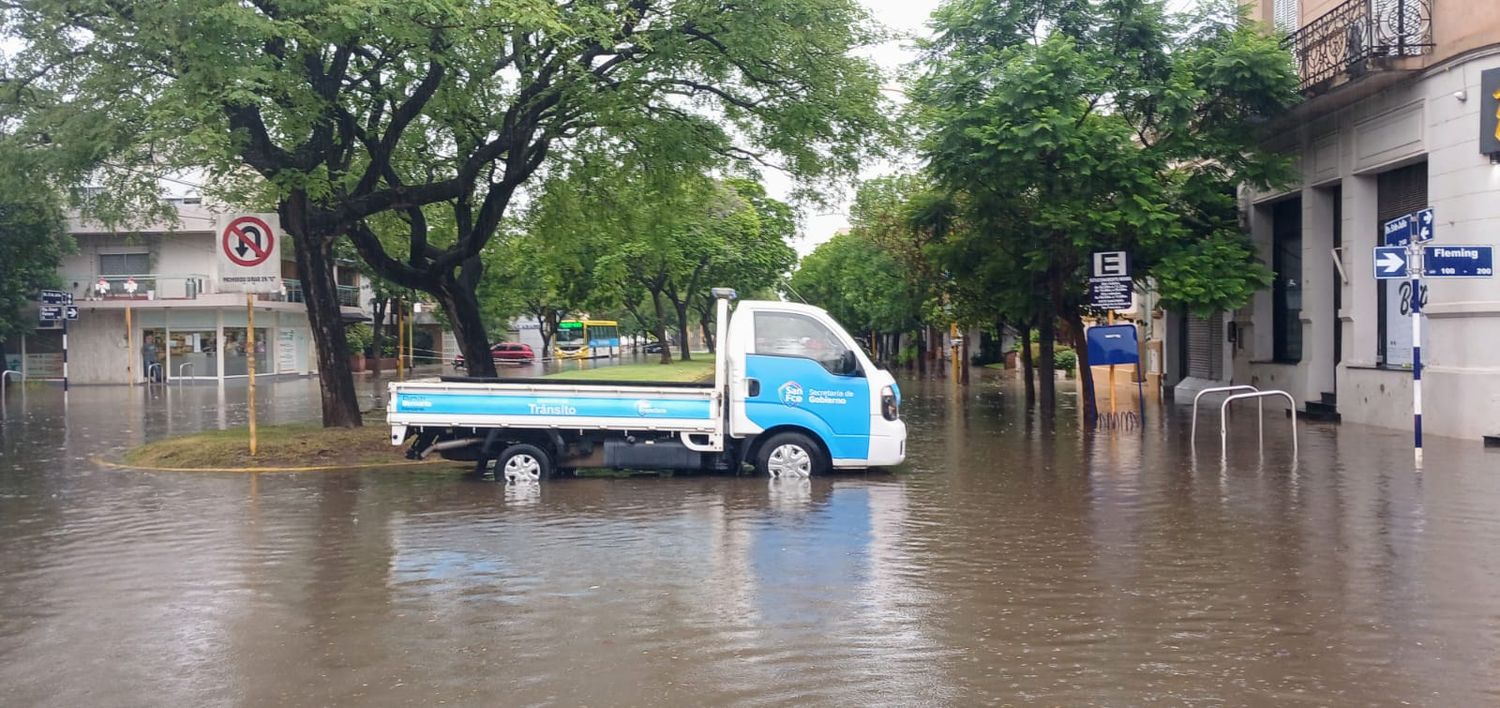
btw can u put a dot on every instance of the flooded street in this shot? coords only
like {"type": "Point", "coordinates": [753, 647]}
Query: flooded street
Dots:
{"type": "Point", "coordinates": [1005, 562]}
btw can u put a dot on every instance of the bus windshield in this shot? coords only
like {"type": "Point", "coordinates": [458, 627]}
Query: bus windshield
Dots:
{"type": "Point", "coordinates": [570, 332]}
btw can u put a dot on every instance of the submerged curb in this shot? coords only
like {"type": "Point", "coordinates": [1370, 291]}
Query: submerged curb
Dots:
{"type": "Point", "coordinates": [313, 468]}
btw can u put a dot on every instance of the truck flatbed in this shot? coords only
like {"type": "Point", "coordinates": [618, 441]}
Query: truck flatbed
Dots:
{"type": "Point", "coordinates": [544, 381]}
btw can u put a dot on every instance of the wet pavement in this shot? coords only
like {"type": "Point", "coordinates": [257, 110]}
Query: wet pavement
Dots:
{"type": "Point", "coordinates": [1005, 563]}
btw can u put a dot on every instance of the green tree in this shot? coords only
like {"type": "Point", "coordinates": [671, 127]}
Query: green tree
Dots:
{"type": "Point", "coordinates": [339, 111]}
{"type": "Point", "coordinates": [33, 243]}
{"type": "Point", "coordinates": [1084, 125]}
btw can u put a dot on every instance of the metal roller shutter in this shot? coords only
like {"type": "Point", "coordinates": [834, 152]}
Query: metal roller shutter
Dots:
{"type": "Point", "coordinates": [1205, 347]}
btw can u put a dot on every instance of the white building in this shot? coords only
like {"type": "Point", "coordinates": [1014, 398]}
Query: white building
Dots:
{"type": "Point", "coordinates": [1394, 120]}
{"type": "Point", "coordinates": [150, 304]}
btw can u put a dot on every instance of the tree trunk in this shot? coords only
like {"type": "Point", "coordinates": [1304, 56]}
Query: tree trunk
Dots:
{"type": "Point", "coordinates": [922, 349]}
{"type": "Point", "coordinates": [661, 326]}
{"type": "Point", "coordinates": [705, 321]}
{"type": "Point", "coordinates": [314, 254]}
{"type": "Point", "coordinates": [377, 339]}
{"type": "Point", "coordinates": [683, 350]}
{"type": "Point", "coordinates": [462, 308]}
{"type": "Point", "coordinates": [963, 361]}
{"type": "Point", "coordinates": [1028, 367]}
{"type": "Point", "coordinates": [1085, 374]}
{"type": "Point", "coordinates": [1048, 372]}
{"type": "Point", "coordinates": [548, 326]}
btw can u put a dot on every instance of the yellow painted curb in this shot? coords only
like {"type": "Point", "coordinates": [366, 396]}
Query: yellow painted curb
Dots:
{"type": "Point", "coordinates": [316, 468]}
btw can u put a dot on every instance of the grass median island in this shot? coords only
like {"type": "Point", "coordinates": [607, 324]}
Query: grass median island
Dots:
{"type": "Point", "coordinates": [700, 369]}
{"type": "Point", "coordinates": [294, 445]}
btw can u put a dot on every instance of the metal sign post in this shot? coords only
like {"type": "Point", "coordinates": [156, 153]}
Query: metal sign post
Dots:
{"type": "Point", "coordinates": [250, 363]}
{"type": "Point", "coordinates": [1414, 268]}
{"type": "Point", "coordinates": [1111, 288]}
{"type": "Point", "coordinates": [249, 259]}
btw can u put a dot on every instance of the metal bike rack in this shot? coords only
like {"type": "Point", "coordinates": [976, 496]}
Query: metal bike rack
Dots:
{"type": "Point", "coordinates": [5, 376]}
{"type": "Point", "coordinates": [180, 376]}
{"type": "Point", "coordinates": [1224, 418]}
{"type": "Point", "coordinates": [1223, 389]}
{"type": "Point", "coordinates": [154, 366]}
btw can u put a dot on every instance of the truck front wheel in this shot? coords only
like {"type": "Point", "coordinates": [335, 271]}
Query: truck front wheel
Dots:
{"type": "Point", "coordinates": [523, 463]}
{"type": "Point", "coordinates": [789, 455]}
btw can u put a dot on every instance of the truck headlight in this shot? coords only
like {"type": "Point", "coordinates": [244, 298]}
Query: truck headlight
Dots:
{"type": "Point", "coordinates": [888, 406]}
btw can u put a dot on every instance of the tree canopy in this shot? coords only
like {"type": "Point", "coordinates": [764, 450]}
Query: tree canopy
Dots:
{"type": "Point", "coordinates": [343, 110]}
{"type": "Point", "coordinates": [1060, 128]}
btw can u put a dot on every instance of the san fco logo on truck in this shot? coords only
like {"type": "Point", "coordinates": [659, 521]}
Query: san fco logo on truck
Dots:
{"type": "Point", "coordinates": [792, 395]}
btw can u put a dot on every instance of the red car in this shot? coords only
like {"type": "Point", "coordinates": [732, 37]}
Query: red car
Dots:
{"type": "Point", "coordinates": [504, 352]}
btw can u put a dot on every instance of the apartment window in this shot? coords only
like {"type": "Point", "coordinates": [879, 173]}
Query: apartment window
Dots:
{"type": "Point", "coordinates": [1400, 191]}
{"type": "Point", "coordinates": [1286, 292]}
{"type": "Point", "coordinates": [1287, 16]}
{"type": "Point", "coordinates": [124, 263]}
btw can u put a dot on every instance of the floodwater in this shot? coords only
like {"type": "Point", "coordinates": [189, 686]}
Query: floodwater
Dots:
{"type": "Point", "coordinates": [1005, 563]}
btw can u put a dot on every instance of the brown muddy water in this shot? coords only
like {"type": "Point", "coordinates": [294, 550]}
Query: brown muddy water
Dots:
{"type": "Point", "coordinates": [1004, 563]}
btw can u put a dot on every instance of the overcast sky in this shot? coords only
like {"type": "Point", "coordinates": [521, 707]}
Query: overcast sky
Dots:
{"type": "Point", "coordinates": [908, 17]}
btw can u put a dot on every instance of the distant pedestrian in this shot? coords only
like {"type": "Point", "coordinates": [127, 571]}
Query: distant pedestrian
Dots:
{"type": "Point", "coordinates": [148, 357]}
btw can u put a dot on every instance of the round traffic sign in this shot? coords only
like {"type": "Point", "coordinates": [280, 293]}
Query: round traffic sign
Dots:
{"type": "Point", "coordinates": [247, 241]}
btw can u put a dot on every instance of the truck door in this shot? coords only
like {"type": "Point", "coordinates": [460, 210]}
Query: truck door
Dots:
{"type": "Point", "coordinates": [798, 372]}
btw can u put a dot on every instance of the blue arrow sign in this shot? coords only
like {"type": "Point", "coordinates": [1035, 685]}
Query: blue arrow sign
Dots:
{"type": "Point", "coordinates": [1425, 225]}
{"type": "Point", "coordinates": [1398, 231]}
{"type": "Point", "coordinates": [1390, 262]}
{"type": "Point", "coordinates": [1458, 261]}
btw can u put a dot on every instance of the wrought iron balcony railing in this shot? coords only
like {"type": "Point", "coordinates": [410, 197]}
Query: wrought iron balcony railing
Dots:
{"type": "Point", "coordinates": [1352, 38]}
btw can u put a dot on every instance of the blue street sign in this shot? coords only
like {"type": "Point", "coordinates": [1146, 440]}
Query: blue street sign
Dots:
{"type": "Point", "coordinates": [55, 297]}
{"type": "Point", "coordinates": [1390, 262]}
{"type": "Point", "coordinates": [1424, 225]}
{"type": "Point", "coordinates": [1458, 261]}
{"type": "Point", "coordinates": [1398, 231]}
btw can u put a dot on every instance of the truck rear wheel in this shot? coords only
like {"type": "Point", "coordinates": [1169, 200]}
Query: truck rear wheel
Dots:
{"type": "Point", "coordinates": [789, 455]}
{"type": "Point", "coordinates": [523, 462]}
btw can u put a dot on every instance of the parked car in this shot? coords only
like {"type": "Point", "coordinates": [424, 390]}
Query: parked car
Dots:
{"type": "Point", "coordinates": [652, 347]}
{"type": "Point", "coordinates": [512, 352]}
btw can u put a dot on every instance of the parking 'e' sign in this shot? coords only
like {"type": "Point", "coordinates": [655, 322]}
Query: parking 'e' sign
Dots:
{"type": "Point", "coordinates": [1111, 264]}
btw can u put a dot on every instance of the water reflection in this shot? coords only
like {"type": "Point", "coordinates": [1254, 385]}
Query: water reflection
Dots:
{"type": "Point", "coordinates": [1008, 561]}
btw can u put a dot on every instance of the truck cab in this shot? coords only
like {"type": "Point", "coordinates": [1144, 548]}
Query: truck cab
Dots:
{"type": "Point", "coordinates": [793, 368]}
{"type": "Point", "coordinates": [792, 394]}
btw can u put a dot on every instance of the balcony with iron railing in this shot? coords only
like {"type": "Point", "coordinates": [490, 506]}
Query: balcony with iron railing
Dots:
{"type": "Point", "coordinates": [1358, 37]}
{"type": "Point", "coordinates": [140, 286]}
{"type": "Point", "coordinates": [175, 286]}
{"type": "Point", "coordinates": [348, 295]}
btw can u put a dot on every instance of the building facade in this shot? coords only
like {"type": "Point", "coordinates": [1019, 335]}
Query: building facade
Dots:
{"type": "Point", "coordinates": [1393, 121]}
{"type": "Point", "coordinates": [150, 309]}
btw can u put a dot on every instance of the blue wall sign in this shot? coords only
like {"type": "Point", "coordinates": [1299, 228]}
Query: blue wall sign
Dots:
{"type": "Point", "coordinates": [1390, 262]}
{"type": "Point", "coordinates": [1458, 261]}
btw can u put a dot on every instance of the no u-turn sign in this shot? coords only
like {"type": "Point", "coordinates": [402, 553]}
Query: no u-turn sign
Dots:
{"type": "Point", "coordinates": [249, 254]}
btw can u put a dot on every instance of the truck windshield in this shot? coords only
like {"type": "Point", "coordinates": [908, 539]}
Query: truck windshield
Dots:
{"type": "Point", "coordinates": [791, 334]}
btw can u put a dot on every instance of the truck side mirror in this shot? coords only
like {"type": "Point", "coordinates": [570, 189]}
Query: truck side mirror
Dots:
{"type": "Point", "coordinates": [848, 363]}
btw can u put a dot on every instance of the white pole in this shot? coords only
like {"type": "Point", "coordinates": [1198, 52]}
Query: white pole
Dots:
{"type": "Point", "coordinates": [1414, 265]}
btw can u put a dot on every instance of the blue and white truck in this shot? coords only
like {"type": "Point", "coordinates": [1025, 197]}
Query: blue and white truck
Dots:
{"type": "Point", "coordinates": [792, 394]}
